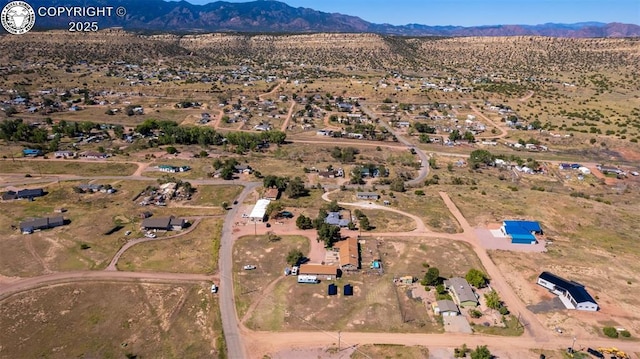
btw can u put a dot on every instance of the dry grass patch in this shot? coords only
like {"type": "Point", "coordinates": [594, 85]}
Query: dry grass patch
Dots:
{"type": "Point", "coordinates": [390, 351]}
{"type": "Point", "coordinates": [387, 221]}
{"type": "Point", "coordinates": [215, 195]}
{"type": "Point", "coordinates": [110, 321]}
{"type": "Point", "coordinates": [69, 167]}
{"type": "Point", "coordinates": [270, 260]}
{"type": "Point", "coordinates": [195, 252]}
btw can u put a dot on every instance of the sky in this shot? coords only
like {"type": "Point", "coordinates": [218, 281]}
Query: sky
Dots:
{"type": "Point", "coordinates": [475, 12]}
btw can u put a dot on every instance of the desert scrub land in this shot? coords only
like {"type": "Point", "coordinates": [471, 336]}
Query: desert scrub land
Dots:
{"type": "Point", "coordinates": [110, 320]}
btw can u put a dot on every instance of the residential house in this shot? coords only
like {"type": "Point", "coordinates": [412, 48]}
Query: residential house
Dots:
{"type": "Point", "coordinates": [445, 308]}
{"type": "Point", "coordinates": [271, 194]}
{"type": "Point", "coordinates": [259, 211]}
{"type": "Point", "coordinates": [242, 169]}
{"type": "Point", "coordinates": [367, 195]}
{"type": "Point", "coordinates": [262, 127]}
{"type": "Point", "coordinates": [94, 155]}
{"type": "Point", "coordinates": [521, 232]}
{"type": "Point", "coordinates": [461, 292]}
{"type": "Point", "coordinates": [35, 224]}
{"type": "Point", "coordinates": [64, 154]}
{"type": "Point", "coordinates": [163, 223]}
{"type": "Point", "coordinates": [23, 194]}
{"type": "Point", "coordinates": [345, 107]}
{"type": "Point", "coordinates": [90, 187]}
{"type": "Point", "coordinates": [572, 294]}
{"type": "Point", "coordinates": [321, 271]}
{"type": "Point", "coordinates": [349, 254]}
{"type": "Point", "coordinates": [335, 219]}
{"type": "Point", "coordinates": [30, 152]}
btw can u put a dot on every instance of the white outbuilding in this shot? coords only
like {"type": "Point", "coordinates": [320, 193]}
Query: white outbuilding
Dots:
{"type": "Point", "coordinates": [259, 211]}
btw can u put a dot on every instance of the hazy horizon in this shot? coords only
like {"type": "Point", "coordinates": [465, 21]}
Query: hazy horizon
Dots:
{"type": "Point", "coordinates": [475, 12]}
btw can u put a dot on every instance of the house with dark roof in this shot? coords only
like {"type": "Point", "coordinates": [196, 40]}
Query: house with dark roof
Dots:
{"type": "Point", "coordinates": [461, 292]}
{"type": "Point", "coordinates": [35, 224]}
{"type": "Point", "coordinates": [23, 194]}
{"type": "Point", "coordinates": [521, 232]}
{"type": "Point", "coordinates": [572, 294]}
{"type": "Point", "coordinates": [163, 223]}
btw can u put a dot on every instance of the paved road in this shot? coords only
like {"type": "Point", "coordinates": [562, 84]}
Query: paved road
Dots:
{"type": "Point", "coordinates": [230, 322]}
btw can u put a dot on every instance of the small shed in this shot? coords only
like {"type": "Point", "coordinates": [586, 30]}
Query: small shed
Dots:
{"type": "Point", "coordinates": [332, 289]}
{"type": "Point", "coordinates": [348, 289]}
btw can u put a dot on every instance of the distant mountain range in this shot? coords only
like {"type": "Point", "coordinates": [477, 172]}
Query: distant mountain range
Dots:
{"type": "Point", "coordinates": [266, 16]}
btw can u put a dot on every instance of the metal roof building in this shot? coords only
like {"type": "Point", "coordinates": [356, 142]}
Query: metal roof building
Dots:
{"type": "Point", "coordinates": [259, 211]}
{"type": "Point", "coordinates": [572, 294]}
{"type": "Point", "coordinates": [521, 232]}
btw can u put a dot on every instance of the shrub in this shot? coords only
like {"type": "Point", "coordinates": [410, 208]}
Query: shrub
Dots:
{"type": "Point", "coordinates": [611, 332]}
{"type": "Point", "coordinates": [625, 333]}
{"type": "Point", "coordinates": [474, 313]}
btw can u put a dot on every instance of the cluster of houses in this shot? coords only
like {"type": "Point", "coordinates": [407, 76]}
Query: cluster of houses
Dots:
{"type": "Point", "coordinates": [160, 196]}
{"type": "Point", "coordinates": [347, 253]}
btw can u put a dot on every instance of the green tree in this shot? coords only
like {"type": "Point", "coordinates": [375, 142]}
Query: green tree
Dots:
{"type": "Point", "coordinates": [611, 332]}
{"type": "Point", "coordinates": [469, 137]}
{"type": "Point", "coordinates": [304, 222]}
{"type": "Point", "coordinates": [274, 207]}
{"type": "Point", "coordinates": [493, 300]}
{"type": "Point", "coordinates": [224, 205]}
{"type": "Point", "coordinates": [118, 131]}
{"type": "Point", "coordinates": [172, 150]}
{"type": "Point", "coordinates": [364, 223]}
{"type": "Point", "coordinates": [481, 352]}
{"type": "Point", "coordinates": [432, 277]}
{"type": "Point", "coordinates": [480, 157]}
{"type": "Point", "coordinates": [296, 188]}
{"type": "Point", "coordinates": [333, 206]}
{"type": "Point", "coordinates": [294, 256]}
{"type": "Point", "coordinates": [454, 135]}
{"type": "Point", "coordinates": [328, 234]}
{"type": "Point", "coordinates": [397, 185]}
{"type": "Point", "coordinates": [476, 278]}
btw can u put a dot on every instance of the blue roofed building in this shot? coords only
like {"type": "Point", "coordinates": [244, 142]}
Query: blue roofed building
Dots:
{"type": "Point", "coordinates": [521, 232]}
{"type": "Point", "coordinates": [335, 219]}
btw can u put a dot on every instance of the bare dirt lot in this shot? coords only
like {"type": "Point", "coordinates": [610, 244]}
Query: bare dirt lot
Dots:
{"type": "Point", "coordinates": [105, 320]}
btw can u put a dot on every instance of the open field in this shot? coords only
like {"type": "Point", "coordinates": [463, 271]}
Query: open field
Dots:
{"type": "Point", "coordinates": [390, 351]}
{"type": "Point", "coordinates": [270, 260]}
{"type": "Point", "coordinates": [429, 207]}
{"type": "Point", "coordinates": [195, 252]}
{"type": "Point", "coordinates": [110, 321]}
{"type": "Point", "coordinates": [97, 168]}
{"type": "Point", "coordinates": [385, 221]}
{"type": "Point", "coordinates": [215, 195]}
{"type": "Point", "coordinates": [91, 217]}
{"type": "Point", "coordinates": [377, 304]}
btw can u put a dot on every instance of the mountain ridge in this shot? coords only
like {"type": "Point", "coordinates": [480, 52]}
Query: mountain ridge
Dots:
{"type": "Point", "coordinates": [277, 17]}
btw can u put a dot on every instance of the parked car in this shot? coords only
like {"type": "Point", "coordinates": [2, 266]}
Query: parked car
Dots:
{"type": "Point", "coordinates": [214, 288]}
{"type": "Point", "coordinates": [150, 235]}
{"type": "Point", "coordinates": [249, 267]}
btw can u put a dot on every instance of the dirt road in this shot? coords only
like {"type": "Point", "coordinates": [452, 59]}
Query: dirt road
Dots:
{"type": "Point", "coordinates": [288, 118]}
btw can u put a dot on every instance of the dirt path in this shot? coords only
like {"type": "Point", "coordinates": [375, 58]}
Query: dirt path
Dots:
{"type": "Point", "coordinates": [527, 96]}
{"type": "Point", "coordinates": [289, 114]}
{"type": "Point", "coordinates": [503, 132]}
{"type": "Point", "coordinates": [276, 88]}
{"type": "Point", "coordinates": [26, 284]}
{"type": "Point", "coordinates": [29, 244]}
{"type": "Point", "coordinates": [420, 226]}
{"type": "Point", "coordinates": [114, 261]}
{"type": "Point", "coordinates": [533, 327]}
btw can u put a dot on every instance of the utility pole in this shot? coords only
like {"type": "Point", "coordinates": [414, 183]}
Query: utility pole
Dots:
{"type": "Point", "coordinates": [572, 344]}
{"type": "Point", "coordinates": [338, 340]}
